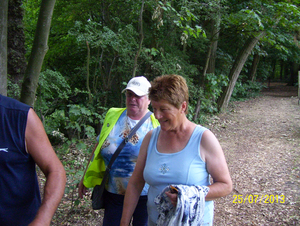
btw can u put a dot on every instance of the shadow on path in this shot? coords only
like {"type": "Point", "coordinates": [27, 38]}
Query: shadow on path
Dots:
{"type": "Point", "coordinates": [280, 90]}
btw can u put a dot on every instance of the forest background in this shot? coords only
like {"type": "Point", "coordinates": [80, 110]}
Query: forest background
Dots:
{"type": "Point", "coordinates": [71, 59]}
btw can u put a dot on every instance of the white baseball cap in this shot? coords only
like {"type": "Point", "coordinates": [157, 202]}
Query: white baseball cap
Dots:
{"type": "Point", "coordinates": [139, 85]}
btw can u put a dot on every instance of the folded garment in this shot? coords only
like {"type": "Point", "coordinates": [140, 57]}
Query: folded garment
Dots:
{"type": "Point", "coordinates": [189, 210]}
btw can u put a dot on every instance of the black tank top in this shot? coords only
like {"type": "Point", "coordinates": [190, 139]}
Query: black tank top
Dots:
{"type": "Point", "coordinates": [19, 190]}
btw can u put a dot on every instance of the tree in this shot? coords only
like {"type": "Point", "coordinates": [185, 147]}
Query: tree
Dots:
{"type": "Point", "coordinates": [39, 50]}
{"type": "Point", "coordinates": [128, 38]}
{"type": "Point", "coordinates": [258, 21]}
{"type": "Point", "coordinates": [236, 69]}
{"type": "Point", "coordinates": [3, 49]}
{"type": "Point", "coordinates": [141, 33]}
{"type": "Point", "coordinates": [16, 63]}
{"type": "Point", "coordinates": [254, 66]}
{"type": "Point", "coordinates": [209, 67]}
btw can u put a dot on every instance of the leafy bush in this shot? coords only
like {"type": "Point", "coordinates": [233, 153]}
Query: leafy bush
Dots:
{"type": "Point", "coordinates": [13, 90]}
{"type": "Point", "coordinates": [52, 93]}
{"type": "Point", "coordinates": [78, 123]}
{"type": "Point", "coordinates": [214, 84]}
{"type": "Point", "coordinates": [62, 116]}
{"type": "Point", "coordinates": [80, 119]}
{"type": "Point", "coordinates": [246, 90]}
{"type": "Point", "coordinates": [206, 97]}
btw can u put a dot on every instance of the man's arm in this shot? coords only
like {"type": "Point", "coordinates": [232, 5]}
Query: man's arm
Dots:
{"type": "Point", "coordinates": [39, 147]}
{"type": "Point", "coordinates": [81, 188]}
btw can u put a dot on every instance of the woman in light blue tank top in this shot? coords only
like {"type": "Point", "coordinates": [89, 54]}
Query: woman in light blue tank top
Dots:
{"type": "Point", "coordinates": [178, 152]}
{"type": "Point", "coordinates": [163, 169]}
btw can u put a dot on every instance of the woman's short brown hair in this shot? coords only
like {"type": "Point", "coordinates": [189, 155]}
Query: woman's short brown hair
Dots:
{"type": "Point", "coordinates": [171, 88]}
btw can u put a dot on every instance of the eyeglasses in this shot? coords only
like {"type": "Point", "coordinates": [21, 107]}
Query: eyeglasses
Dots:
{"type": "Point", "coordinates": [130, 94]}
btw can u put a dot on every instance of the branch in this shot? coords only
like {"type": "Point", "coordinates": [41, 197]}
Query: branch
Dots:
{"type": "Point", "coordinates": [141, 40]}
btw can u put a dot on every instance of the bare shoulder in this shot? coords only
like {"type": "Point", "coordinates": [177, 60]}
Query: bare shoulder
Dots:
{"type": "Point", "coordinates": [146, 142]}
{"type": "Point", "coordinates": [39, 146]}
{"type": "Point", "coordinates": [148, 136]}
{"type": "Point", "coordinates": [35, 131]}
{"type": "Point", "coordinates": [210, 146]}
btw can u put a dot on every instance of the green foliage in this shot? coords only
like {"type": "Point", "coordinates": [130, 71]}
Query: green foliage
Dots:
{"type": "Point", "coordinates": [13, 90]}
{"type": "Point", "coordinates": [102, 36]}
{"type": "Point", "coordinates": [214, 84]}
{"type": "Point", "coordinates": [170, 63]}
{"type": "Point", "coordinates": [61, 119]}
{"type": "Point", "coordinates": [246, 90]}
{"type": "Point", "coordinates": [213, 88]}
{"type": "Point", "coordinates": [52, 86]}
{"type": "Point", "coordinates": [54, 124]}
{"type": "Point", "coordinates": [79, 121]}
{"type": "Point", "coordinates": [246, 20]}
{"type": "Point", "coordinates": [195, 91]}
{"type": "Point", "coordinates": [53, 91]}
{"type": "Point", "coordinates": [264, 71]}
{"type": "Point", "coordinates": [184, 19]}
{"type": "Point", "coordinates": [31, 9]}
{"type": "Point", "coordinates": [111, 30]}
{"type": "Point", "coordinates": [207, 96]}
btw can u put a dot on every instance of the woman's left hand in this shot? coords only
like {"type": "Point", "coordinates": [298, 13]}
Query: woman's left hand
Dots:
{"type": "Point", "coordinates": [172, 197]}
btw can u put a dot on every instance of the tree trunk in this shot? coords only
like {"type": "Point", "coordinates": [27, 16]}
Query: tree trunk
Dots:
{"type": "Point", "coordinates": [88, 71]}
{"type": "Point", "coordinates": [16, 61]}
{"type": "Point", "coordinates": [141, 40]}
{"type": "Point", "coordinates": [211, 57]}
{"type": "Point", "coordinates": [39, 50]}
{"type": "Point", "coordinates": [282, 64]}
{"type": "Point", "coordinates": [273, 74]}
{"type": "Point", "coordinates": [3, 49]}
{"type": "Point", "coordinates": [293, 74]}
{"type": "Point", "coordinates": [214, 45]}
{"type": "Point", "coordinates": [236, 69]}
{"type": "Point", "coordinates": [254, 67]}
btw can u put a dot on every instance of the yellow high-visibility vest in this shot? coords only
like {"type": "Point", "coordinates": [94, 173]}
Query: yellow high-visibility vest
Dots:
{"type": "Point", "coordinates": [96, 168]}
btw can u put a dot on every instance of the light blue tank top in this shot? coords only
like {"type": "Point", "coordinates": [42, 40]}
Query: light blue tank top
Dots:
{"type": "Point", "coordinates": [183, 167]}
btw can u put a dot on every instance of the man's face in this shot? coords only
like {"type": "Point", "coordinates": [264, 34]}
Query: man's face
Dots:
{"type": "Point", "coordinates": [136, 106]}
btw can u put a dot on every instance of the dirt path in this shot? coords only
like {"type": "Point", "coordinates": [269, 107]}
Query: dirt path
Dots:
{"type": "Point", "coordinates": [261, 141]}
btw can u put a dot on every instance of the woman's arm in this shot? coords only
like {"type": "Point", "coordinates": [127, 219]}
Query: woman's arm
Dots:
{"type": "Point", "coordinates": [135, 184]}
{"type": "Point", "coordinates": [212, 154]}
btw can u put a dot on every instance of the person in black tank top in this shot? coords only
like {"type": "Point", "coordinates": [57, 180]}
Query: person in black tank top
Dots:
{"type": "Point", "coordinates": [23, 144]}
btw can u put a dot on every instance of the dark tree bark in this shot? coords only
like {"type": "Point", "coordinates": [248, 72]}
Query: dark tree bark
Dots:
{"type": "Point", "coordinates": [16, 63]}
{"type": "Point", "coordinates": [282, 64]}
{"type": "Point", "coordinates": [293, 74]}
{"type": "Point", "coordinates": [3, 49]}
{"type": "Point", "coordinates": [39, 50]}
{"type": "Point", "coordinates": [254, 65]}
{"type": "Point", "coordinates": [214, 45]}
{"type": "Point", "coordinates": [274, 62]}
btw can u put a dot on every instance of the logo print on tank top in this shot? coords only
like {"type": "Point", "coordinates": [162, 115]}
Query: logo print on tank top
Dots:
{"type": "Point", "coordinates": [4, 149]}
{"type": "Point", "coordinates": [164, 168]}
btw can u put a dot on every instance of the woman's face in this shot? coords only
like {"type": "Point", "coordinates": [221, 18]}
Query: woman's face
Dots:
{"type": "Point", "coordinates": [167, 114]}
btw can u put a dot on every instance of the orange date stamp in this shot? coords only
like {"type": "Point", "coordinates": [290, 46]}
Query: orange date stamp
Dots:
{"type": "Point", "coordinates": [258, 198]}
